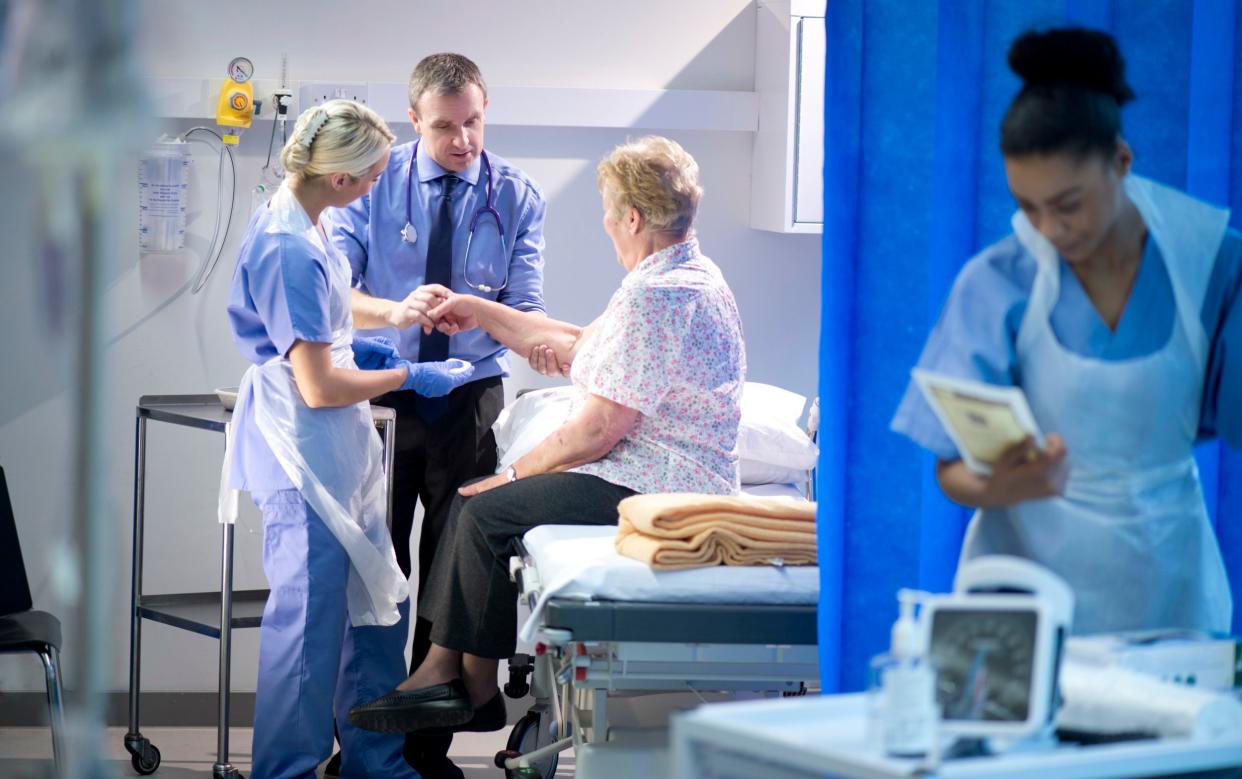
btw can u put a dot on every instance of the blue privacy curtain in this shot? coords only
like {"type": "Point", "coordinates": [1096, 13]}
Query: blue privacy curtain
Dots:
{"type": "Point", "coordinates": [913, 187]}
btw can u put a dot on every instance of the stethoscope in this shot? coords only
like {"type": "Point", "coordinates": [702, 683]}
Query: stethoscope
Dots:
{"type": "Point", "coordinates": [487, 209]}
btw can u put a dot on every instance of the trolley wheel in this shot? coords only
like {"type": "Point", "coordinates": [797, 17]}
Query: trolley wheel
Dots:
{"type": "Point", "coordinates": [528, 735]}
{"type": "Point", "coordinates": [147, 761]}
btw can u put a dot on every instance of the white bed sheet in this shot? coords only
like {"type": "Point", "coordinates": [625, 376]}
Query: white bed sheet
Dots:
{"type": "Point", "coordinates": [580, 562]}
{"type": "Point", "coordinates": [791, 491]}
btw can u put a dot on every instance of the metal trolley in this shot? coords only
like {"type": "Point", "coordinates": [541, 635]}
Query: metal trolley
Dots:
{"type": "Point", "coordinates": [212, 614]}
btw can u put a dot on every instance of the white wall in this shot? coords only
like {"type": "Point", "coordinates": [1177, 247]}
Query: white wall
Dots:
{"type": "Point", "coordinates": [183, 346]}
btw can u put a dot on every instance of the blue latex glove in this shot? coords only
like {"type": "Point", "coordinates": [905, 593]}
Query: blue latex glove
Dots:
{"type": "Point", "coordinates": [375, 353]}
{"type": "Point", "coordinates": [433, 379]}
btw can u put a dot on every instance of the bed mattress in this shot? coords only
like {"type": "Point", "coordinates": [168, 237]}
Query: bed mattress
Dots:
{"type": "Point", "coordinates": [580, 563]}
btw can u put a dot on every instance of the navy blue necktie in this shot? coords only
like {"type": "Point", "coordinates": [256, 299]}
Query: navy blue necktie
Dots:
{"type": "Point", "coordinates": [434, 347]}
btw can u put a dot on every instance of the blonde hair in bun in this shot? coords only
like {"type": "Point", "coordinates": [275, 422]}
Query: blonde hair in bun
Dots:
{"type": "Point", "coordinates": [339, 136]}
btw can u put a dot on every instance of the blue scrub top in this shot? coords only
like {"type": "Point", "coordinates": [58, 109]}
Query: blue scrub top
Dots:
{"type": "Point", "coordinates": [281, 293]}
{"type": "Point", "coordinates": [384, 265]}
{"type": "Point", "coordinates": [976, 336]}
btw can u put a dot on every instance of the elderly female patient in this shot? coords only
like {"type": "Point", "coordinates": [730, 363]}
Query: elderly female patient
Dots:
{"type": "Point", "coordinates": [659, 379]}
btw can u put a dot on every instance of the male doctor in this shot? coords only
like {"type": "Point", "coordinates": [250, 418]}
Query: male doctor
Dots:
{"type": "Point", "coordinates": [443, 212]}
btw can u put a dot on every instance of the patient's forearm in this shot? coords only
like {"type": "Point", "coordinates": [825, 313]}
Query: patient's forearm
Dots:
{"type": "Point", "coordinates": [586, 437]}
{"type": "Point", "coordinates": [522, 331]}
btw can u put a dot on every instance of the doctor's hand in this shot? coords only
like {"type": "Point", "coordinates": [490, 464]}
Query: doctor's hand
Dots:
{"type": "Point", "coordinates": [543, 360]}
{"type": "Point", "coordinates": [415, 308]}
{"type": "Point", "coordinates": [434, 379]}
{"type": "Point", "coordinates": [1024, 472]}
{"type": "Point", "coordinates": [455, 314]}
{"type": "Point", "coordinates": [375, 353]}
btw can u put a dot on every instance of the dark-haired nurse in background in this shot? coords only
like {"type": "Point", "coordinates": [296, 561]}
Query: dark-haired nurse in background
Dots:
{"type": "Point", "coordinates": [1114, 306]}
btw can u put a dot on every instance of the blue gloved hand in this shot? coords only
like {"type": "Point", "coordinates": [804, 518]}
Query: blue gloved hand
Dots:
{"type": "Point", "coordinates": [375, 353]}
{"type": "Point", "coordinates": [433, 379]}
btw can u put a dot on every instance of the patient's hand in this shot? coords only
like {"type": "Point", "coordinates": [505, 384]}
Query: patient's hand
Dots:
{"type": "Point", "coordinates": [455, 314]}
{"type": "Point", "coordinates": [483, 485]}
{"type": "Point", "coordinates": [543, 360]}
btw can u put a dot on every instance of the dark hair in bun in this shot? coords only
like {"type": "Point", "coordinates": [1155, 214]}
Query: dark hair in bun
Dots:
{"type": "Point", "coordinates": [1074, 84]}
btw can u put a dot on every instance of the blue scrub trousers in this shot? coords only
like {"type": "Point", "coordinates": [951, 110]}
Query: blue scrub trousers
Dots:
{"type": "Point", "coordinates": [313, 664]}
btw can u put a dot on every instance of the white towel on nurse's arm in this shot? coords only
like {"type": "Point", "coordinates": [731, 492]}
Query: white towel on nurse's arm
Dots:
{"type": "Point", "coordinates": [683, 530]}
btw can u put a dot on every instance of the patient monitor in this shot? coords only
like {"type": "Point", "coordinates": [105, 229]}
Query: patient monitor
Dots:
{"type": "Point", "coordinates": [996, 644]}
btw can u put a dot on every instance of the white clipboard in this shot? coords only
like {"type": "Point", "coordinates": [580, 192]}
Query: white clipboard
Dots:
{"type": "Point", "coordinates": [982, 419]}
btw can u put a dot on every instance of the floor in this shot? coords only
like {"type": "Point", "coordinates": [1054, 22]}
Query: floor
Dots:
{"type": "Point", "coordinates": [190, 752]}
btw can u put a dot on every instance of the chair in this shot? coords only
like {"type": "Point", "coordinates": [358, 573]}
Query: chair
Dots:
{"type": "Point", "coordinates": [21, 628]}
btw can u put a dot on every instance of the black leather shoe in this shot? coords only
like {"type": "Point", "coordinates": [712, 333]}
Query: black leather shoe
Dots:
{"type": "Point", "coordinates": [488, 717]}
{"type": "Point", "coordinates": [401, 711]}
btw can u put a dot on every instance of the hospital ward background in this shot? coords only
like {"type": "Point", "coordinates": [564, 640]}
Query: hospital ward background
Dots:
{"type": "Point", "coordinates": [849, 162]}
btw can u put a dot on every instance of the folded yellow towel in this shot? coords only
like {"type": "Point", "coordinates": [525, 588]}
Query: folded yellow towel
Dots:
{"type": "Point", "coordinates": [683, 530]}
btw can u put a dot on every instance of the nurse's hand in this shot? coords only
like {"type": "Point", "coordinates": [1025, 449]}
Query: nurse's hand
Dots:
{"type": "Point", "coordinates": [415, 309]}
{"type": "Point", "coordinates": [434, 379]}
{"type": "Point", "coordinates": [375, 353]}
{"type": "Point", "coordinates": [1025, 472]}
{"type": "Point", "coordinates": [1022, 473]}
{"type": "Point", "coordinates": [543, 360]}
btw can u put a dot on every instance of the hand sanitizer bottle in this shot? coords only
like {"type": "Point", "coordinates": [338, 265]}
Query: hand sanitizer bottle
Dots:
{"type": "Point", "coordinates": [907, 688]}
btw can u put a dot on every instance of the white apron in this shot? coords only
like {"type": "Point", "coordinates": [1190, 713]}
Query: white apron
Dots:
{"type": "Point", "coordinates": [1131, 534]}
{"type": "Point", "coordinates": [332, 455]}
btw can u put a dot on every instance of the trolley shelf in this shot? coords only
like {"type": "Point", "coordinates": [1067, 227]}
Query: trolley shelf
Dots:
{"type": "Point", "coordinates": [199, 612]}
{"type": "Point", "coordinates": [201, 411]}
{"type": "Point", "coordinates": [205, 412]}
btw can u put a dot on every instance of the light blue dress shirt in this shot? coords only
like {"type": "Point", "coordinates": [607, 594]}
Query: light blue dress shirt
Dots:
{"type": "Point", "coordinates": [385, 265]}
{"type": "Point", "coordinates": [976, 336]}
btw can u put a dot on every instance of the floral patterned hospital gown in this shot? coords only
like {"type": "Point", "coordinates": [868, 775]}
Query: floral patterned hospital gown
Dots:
{"type": "Point", "coordinates": [670, 346]}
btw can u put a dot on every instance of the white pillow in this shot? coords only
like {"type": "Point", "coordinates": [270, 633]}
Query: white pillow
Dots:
{"type": "Point", "coordinates": [771, 447]}
{"type": "Point", "coordinates": [532, 418]}
{"type": "Point", "coordinates": [765, 401]}
{"type": "Point", "coordinates": [755, 473]}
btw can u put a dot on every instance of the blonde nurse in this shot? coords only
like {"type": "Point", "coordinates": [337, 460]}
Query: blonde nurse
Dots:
{"type": "Point", "coordinates": [305, 446]}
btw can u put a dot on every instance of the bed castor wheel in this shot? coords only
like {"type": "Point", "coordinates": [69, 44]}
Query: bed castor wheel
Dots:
{"type": "Point", "coordinates": [503, 755]}
{"type": "Point", "coordinates": [529, 772]}
{"type": "Point", "coordinates": [529, 733]}
{"type": "Point", "coordinates": [147, 760]}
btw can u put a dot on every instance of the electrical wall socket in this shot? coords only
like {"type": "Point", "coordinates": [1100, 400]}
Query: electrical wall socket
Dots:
{"type": "Point", "coordinates": [312, 93]}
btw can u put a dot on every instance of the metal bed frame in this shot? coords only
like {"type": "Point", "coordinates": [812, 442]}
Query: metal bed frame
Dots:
{"type": "Point", "coordinates": [589, 649]}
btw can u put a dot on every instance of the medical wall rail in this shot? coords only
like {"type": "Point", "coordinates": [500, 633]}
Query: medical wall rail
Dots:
{"type": "Point", "coordinates": [211, 614]}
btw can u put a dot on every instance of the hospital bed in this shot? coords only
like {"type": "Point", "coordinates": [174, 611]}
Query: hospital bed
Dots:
{"type": "Point", "coordinates": [608, 626]}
